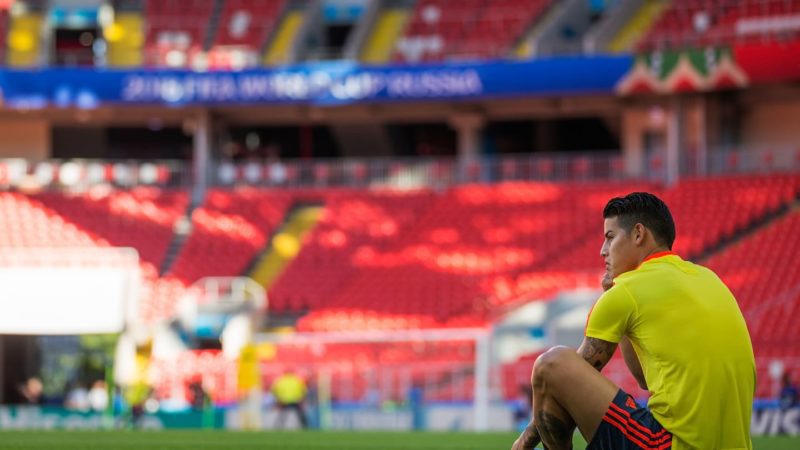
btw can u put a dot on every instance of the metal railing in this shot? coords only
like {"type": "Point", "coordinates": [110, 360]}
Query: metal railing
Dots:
{"type": "Point", "coordinates": [82, 174]}
{"type": "Point", "coordinates": [391, 172]}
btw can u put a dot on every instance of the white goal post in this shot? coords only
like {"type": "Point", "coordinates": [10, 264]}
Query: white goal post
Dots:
{"type": "Point", "coordinates": [473, 344]}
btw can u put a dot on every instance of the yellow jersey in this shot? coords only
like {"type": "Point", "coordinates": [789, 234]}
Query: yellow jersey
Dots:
{"type": "Point", "coordinates": [289, 388]}
{"type": "Point", "coordinates": [693, 345]}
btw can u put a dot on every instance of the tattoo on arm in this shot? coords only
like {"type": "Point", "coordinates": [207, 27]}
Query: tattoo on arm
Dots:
{"type": "Point", "coordinates": [597, 352]}
{"type": "Point", "coordinates": [554, 429]}
{"type": "Point", "coordinates": [530, 437]}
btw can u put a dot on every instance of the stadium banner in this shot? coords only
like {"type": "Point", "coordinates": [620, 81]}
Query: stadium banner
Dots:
{"type": "Point", "coordinates": [68, 290]}
{"type": "Point", "coordinates": [58, 418]}
{"type": "Point", "coordinates": [775, 421]}
{"type": "Point", "coordinates": [769, 62]}
{"type": "Point", "coordinates": [712, 68]}
{"type": "Point", "coordinates": [328, 83]}
{"type": "Point", "coordinates": [443, 416]}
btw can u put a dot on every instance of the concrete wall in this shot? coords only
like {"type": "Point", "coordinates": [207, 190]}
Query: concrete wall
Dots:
{"type": "Point", "coordinates": [772, 126]}
{"type": "Point", "coordinates": [25, 138]}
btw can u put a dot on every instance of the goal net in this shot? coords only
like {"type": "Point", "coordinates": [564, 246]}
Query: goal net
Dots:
{"type": "Point", "coordinates": [388, 379]}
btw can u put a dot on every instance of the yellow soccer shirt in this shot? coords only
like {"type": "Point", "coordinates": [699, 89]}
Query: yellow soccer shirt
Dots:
{"type": "Point", "coordinates": [693, 345]}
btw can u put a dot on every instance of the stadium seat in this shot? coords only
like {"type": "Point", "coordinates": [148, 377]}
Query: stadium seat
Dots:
{"type": "Point", "coordinates": [470, 29]}
{"type": "Point", "coordinates": [174, 29]}
{"type": "Point", "coordinates": [228, 232]}
{"type": "Point", "coordinates": [763, 272]}
{"type": "Point", "coordinates": [3, 34]}
{"type": "Point", "coordinates": [397, 260]}
{"type": "Point", "coordinates": [247, 23]}
{"type": "Point", "coordinates": [692, 23]}
{"type": "Point", "coordinates": [141, 218]}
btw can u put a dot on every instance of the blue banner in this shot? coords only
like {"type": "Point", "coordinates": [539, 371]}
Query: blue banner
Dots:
{"type": "Point", "coordinates": [54, 417]}
{"type": "Point", "coordinates": [317, 84]}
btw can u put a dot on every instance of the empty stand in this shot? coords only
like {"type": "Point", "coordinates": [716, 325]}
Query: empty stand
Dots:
{"type": "Point", "coordinates": [423, 259]}
{"type": "Point", "coordinates": [763, 272]}
{"type": "Point", "coordinates": [3, 34]}
{"type": "Point", "coordinates": [706, 211]}
{"type": "Point", "coordinates": [247, 23]}
{"type": "Point", "coordinates": [351, 222]}
{"type": "Point", "coordinates": [25, 222]}
{"type": "Point", "coordinates": [715, 22]}
{"type": "Point", "coordinates": [140, 218]}
{"type": "Point", "coordinates": [441, 29]}
{"type": "Point", "coordinates": [447, 264]}
{"type": "Point", "coordinates": [173, 25]}
{"type": "Point", "coordinates": [228, 231]}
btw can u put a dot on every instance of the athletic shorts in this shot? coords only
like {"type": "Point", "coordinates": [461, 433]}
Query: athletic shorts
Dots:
{"type": "Point", "coordinates": [628, 426]}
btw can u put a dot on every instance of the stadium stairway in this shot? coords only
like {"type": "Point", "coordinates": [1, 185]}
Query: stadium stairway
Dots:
{"type": "Point", "coordinates": [388, 28]}
{"type": "Point", "coordinates": [125, 37]}
{"type": "Point", "coordinates": [752, 229]}
{"type": "Point", "coordinates": [181, 230]}
{"type": "Point", "coordinates": [213, 24]}
{"type": "Point", "coordinates": [24, 39]}
{"type": "Point", "coordinates": [524, 48]}
{"type": "Point", "coordinates": [289, 26]}
{"type": "Point", "coordinates": [629, 34]}
{"type": "Point", "coordinates": [285, 244]}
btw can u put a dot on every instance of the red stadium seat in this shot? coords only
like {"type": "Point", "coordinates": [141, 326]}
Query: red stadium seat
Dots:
{"type": "Point", "coordinates": [175, 26]}
{"type": "Point", "coordinates": [247, 23]}
{"type": "Point", "coordinates": [441, 29]}
{"type": "Point", "coordinates": [699, 24]}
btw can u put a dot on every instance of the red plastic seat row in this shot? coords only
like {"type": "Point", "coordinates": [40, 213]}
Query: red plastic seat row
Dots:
{"type": "Point", "coordinates": [466, 29]}
{"type": "Point", "coordinates": [708, 23]}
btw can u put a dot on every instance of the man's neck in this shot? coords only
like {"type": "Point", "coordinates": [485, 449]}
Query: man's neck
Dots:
{"type": "Point", "coordinates": [653, 252]}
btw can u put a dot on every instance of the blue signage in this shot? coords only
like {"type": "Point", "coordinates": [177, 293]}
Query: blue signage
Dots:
{"type": "Point", "coordinates": [319, 84]}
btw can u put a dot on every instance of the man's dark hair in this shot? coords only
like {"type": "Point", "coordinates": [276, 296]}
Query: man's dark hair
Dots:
{"type": "Point", "coordinates": [644, 208]}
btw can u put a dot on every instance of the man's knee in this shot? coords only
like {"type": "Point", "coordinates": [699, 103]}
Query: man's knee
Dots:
{"type": "Point", "coordinates": [549, 362]}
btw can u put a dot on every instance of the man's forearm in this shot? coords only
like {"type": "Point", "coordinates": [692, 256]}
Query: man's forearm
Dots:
{"type": "Point", "coordinates": [528, 439]}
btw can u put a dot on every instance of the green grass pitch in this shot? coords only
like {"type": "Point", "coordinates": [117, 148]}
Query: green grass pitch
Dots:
{"type": "Point", "coordinates": [66, 440]}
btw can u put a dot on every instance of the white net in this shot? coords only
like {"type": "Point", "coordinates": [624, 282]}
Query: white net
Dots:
{"type": "Point", "coordinates": [386, 370]}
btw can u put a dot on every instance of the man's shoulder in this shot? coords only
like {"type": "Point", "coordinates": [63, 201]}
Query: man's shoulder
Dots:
{"type": "Point", "coordinates": [620, 292]}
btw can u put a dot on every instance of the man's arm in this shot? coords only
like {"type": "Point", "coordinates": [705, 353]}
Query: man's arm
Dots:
{"type": "Point", "coordinates": [596, 352]}
{"type": "Point", "coordinates": [632, 361]}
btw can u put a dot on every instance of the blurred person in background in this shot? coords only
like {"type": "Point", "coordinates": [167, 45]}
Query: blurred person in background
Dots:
{"type": "Point", "coordinates": [290, 392]}
{"type": "Point", "coordinates": [31, 392]}
{"type": "Point", "coordinates": [790, 395]}
{"type": "Point", "coordinates": [98, 396]}
{"type": "Point", "coordinates": [523, 407]}
{"type": "Point", "coordinates": [135, 396]}
{"type": "Point", "coordinates": [77, 398]}
{"type": "Point", "coordinates": [197, 394]}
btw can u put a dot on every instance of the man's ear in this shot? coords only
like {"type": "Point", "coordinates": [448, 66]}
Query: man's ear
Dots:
{"type": "Point", "coordinates": [638, 233]}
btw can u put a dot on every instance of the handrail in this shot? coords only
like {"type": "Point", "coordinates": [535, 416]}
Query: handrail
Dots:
{"type": "Point", "coordinates": [388, 172]}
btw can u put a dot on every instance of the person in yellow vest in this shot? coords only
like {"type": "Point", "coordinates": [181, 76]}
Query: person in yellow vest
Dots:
{"type": "Point", "coordinates": [290, 391]}
{"type": "Point", "coordinates": [681, 334]}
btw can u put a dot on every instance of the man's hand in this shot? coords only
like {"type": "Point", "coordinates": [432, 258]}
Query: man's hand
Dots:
{"type": "Point", "coordinates": [528, 439]}
{"type": "Point", "coordinates": [608, 282]}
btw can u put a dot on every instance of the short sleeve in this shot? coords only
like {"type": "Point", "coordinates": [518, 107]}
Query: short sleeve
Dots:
{"type": "Point", "coordinates": [611, 315]}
